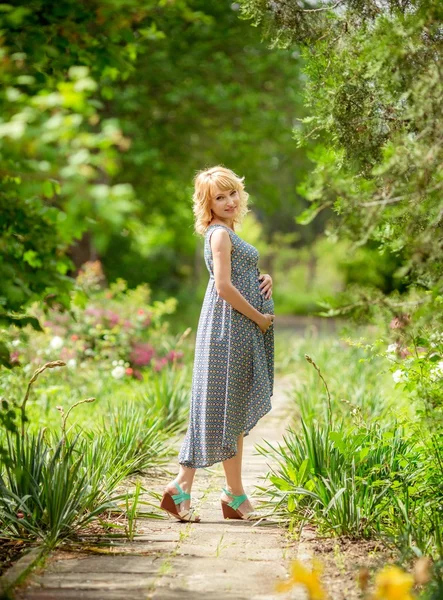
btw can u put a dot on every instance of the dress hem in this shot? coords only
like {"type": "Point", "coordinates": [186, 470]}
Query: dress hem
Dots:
{"type": "Point", "coordinates": [246, 432]}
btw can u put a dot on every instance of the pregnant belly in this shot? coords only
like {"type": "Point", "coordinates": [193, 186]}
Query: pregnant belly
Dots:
{"type": "Point", "coordinates": [268, 306]}
{"type": "Point", "coordinates": [251, 290]}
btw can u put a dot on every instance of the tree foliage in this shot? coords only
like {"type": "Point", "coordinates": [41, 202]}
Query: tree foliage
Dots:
{"type": "Point", "coordinates": [57, 156]}
{"type": "Point", "coordinates": [107, 110]}
{"type": "Point", "coordinates": [375, 128]}
{"type": "Point", "coordinates": [208, 92]}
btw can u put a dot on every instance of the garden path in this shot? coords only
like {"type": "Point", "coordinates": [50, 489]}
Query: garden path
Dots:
{"type": "Point", "coordinates": [167, 560]}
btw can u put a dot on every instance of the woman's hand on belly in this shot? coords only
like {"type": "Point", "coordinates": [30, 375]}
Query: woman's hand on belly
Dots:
{"type": "Point", "coordinates": [266, 285]}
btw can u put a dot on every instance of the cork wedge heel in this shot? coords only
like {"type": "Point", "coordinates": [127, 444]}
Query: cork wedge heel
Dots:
{"type": "Point", "coordinates": [230, 509]}
{"type": "Point", "coordinates": [170, 503]}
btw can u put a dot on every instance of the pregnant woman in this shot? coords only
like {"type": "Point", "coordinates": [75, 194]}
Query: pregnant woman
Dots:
{"type": "Point", "coordinates": [233, 375]}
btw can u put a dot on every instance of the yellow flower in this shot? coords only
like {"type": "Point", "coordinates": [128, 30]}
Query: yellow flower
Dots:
{"type": "Point", "coordinates": [301, 575]}
{"type": "Point", "coordinates": [392, 583]}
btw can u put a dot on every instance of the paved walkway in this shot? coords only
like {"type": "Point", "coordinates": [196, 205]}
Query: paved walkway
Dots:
{"type": "Point", "coordinates": [214, 559]}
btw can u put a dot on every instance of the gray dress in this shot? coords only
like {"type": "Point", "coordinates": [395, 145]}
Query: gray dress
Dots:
{"type": "Point", "coordinates": [233, 375]}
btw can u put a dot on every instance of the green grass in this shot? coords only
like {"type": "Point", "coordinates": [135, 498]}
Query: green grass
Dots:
{"type": "Point", "coordinates": [356, 457]}
{"type": "Point", "coordinates": [62, 464]}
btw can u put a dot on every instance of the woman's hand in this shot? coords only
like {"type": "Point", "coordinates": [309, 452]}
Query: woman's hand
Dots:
{"type": "Point", "coordinates": [266, 285]}
{"type": "Point", "coordinates": [265, 322]}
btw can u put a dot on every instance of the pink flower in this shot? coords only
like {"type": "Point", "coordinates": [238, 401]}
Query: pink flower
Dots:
{"type": "Point", "coordinates": [400, 321]}
{"type": "Point", "coordinates": [94, 312]}
{"type": "Point", "coordinates": [66, 354]}
{"type": "Point", "coordinates": [58, 330]}
{"type": "Point", "coordinates": [160, 363]}
{"type": "Point", "coordinates": [174, 355]}
{"type": "Point", "coordinates": [404, 352]}
{"type": "Point", "coordinates": [14, 357]}
{"type": "Point", "coordinates": [112, 318]}
{"type": "Point", "coordinates": [141, 354]}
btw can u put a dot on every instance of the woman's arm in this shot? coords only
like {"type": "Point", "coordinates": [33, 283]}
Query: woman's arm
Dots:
{"type": "Point", "coordinates": [221, 246]}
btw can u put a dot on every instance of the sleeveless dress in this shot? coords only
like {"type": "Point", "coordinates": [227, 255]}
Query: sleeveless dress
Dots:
{"type": "Point", "coordinates": [233, 374]}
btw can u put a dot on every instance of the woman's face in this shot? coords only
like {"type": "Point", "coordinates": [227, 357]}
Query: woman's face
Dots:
{"type": "Point", "coordinates": [224, 203]}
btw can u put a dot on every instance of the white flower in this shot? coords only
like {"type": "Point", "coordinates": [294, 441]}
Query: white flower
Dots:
{"type": "Point", "coordinates": [15, 343]}
{"type": "Point", "coordinates": [391, 352]}
{"type": "Point", "coordinates": [118, 372]}
{"type": "Point", "coordinates": [72, 363]}
{"type": "Point", "coordinates": [398, 375]}
{"type": "Point", "coordinates": [437, 371]}
{"type": "Point", "coordinates": [56, 343]}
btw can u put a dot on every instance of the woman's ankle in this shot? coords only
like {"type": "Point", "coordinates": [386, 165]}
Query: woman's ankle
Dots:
{"type": "Point", "coordinates": [185, 477]}
{"type": "Point", "coordinates": [236, 490]}
{"type": "Point", "coordinates": [185, 484]}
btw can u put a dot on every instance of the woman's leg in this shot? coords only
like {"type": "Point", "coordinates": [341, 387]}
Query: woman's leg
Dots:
{"type": "Point", "coordinates": [185, 479]}
{"type": "Point", "coordinates": [234, 484]}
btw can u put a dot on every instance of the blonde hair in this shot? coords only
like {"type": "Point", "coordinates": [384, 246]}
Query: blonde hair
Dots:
{"type": "Point", "coordinates": [204, 182]}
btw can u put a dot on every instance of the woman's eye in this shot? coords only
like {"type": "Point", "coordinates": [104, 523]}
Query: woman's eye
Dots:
{"type": "Point", "coordinates": [233, 192]}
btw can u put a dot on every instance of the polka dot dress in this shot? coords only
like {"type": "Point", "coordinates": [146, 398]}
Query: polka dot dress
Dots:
{"type": "Point", "coordinates": [233, 375]}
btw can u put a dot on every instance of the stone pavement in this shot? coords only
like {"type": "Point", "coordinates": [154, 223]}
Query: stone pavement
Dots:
{"type": "Point", "coordinates": [168, 560]}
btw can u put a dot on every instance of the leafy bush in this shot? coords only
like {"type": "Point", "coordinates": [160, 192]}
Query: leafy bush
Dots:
{"type": "Point", "coordinates": [52, 485]}
{"type": "Point", "coordinates": [344, 478]}
{"type": "Point", "coordinates": [366, 467]}
{"type": "Point", "coordinates": [119, 329]}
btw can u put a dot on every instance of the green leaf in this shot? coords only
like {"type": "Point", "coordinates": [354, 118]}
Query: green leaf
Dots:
{"type": "Point", "coordinates": [302, 471]}
{"type": "Point", "coordinates": [48, 189]}
{"type": "Point", "coordinates": [5, 356]}
{"type": "Point", "coordinates": [337, 439]}
{"type": "Point", "coordinates": [311, 212]}
{"type": "Point", "coordinates": [291, 503]}
{"type": "Point", "coordinates": [23, 321]}
{"type": "Point", "coordinates": [79, 298]}
{"type": "Point", "coordinates": [280, 483]}
{"type": "Point", "coordinates": [32, 258]}
{"type": "Point", "coordinates": [364, 452]}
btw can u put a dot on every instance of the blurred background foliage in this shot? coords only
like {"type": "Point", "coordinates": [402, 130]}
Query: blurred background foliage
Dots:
{"type": "Point", "coordinates": [332, 112]}
{"type": "Point", "coordinates": [373, 130]}
{"type": "Point", "coordinates": [108, 111]}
